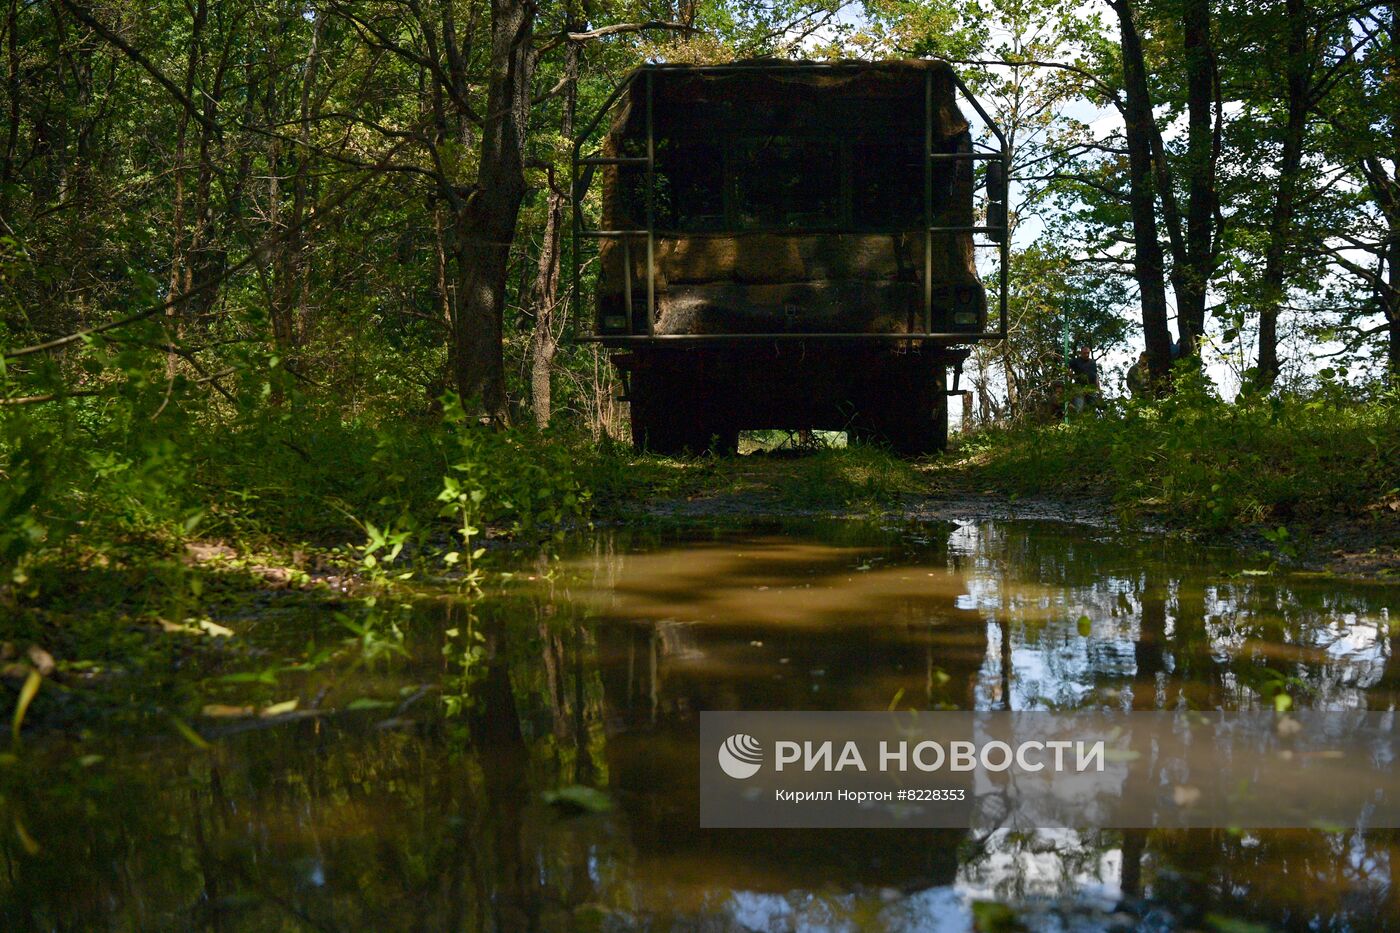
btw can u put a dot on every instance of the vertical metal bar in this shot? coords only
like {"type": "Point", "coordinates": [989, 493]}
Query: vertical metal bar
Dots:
{"type": "Point", "coordinates": [627, 279]}
{"type": "Point", "coordinates": [651, 211]}
{"type": "Point", "coordinates": [928, 202]}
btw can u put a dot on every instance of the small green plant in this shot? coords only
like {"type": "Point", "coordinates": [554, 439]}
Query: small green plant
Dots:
{"type": "Point", "coordinates": [379, 634]}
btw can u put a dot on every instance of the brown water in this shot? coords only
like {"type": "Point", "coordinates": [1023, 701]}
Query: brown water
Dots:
{"type": "Point", "coordinates": [427, 809]}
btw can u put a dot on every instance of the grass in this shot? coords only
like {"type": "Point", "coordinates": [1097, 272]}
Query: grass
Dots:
{"type": "Point", "coordinates": [109, 587]}
{"type": "Point", "coordinates": [829, 478]}
{"type": "Point", "coordinates": [1200, 463]}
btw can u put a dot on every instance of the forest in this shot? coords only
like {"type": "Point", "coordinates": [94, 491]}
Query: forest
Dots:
{"type": "Point", "coordinates": [287, 320]}
{"type": "Point", "coordinates": [238, 231]}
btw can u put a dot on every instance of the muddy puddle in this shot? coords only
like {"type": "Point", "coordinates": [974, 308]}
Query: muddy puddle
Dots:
{"type": "Point", "coordinates": [529, 762]}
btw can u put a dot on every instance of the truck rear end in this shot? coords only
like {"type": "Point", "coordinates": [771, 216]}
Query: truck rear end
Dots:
{"type": "Point", "coordinates": [789, 245]}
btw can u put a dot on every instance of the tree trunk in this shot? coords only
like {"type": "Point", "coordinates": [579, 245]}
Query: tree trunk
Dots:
{"type": "Point", "coordinates": [543, 344]}
{"type": "Point", "coordinates": [1388, 292]}
{"type": "Point", "coordinates": [486, 220]}
{"type": "Point", "coordinates": [206, 257]}
{"type": "Point", "coordinates": [1392, 291]}
{"type": "Point", "coordinates": [179, 246]}
{"type": "Point", "coordinates": [1202, 150]}
{"type": "Point", "coordinates": [1272, 287]}
{"type": "Point", "coordinates": [1139, 128]}
{"type": "Point", "coordinates": [1192, 248]}
{"type": "Point", "coordinates": [12, 63]}
{"type": "Point", "coordinates": [289, 263]}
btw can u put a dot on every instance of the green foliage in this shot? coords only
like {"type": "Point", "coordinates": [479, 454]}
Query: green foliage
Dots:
{"type": "Point", "coordinates": [523, 481]}
{"type": "Point", "coordinates": [859, 475]}
{"type": "Point", "coordinates": [149, 470]}
{"type": "Point", "coordinates": [1198, 461]}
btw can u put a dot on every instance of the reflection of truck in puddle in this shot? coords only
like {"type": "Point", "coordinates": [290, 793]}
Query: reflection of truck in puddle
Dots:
{"type": "Point", "coordinates": [790, 245]}
{"type": "Point", "coordinates": [755, 622]}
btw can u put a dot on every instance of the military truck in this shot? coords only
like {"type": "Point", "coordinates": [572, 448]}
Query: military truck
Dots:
{"type": "Point", "coordinates": [790, 245]}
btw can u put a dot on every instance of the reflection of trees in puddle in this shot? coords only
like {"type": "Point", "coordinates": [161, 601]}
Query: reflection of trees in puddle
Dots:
{"type": "Point", "coordinates": [596, 677]}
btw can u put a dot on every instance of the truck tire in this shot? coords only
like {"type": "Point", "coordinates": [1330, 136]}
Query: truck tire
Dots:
{"type": "Point", "coordinates": [653, 428]}
{"type": "Point", "coordinates": [670, 418]}
{"type": "Point", "coordinates": [910, 417]}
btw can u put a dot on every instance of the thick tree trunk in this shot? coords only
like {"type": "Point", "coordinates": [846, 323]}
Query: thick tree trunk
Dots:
{"type": "Point", "coordinates": [12, 65]}
{"type": "Point", "coordinates": [1192, 248]}
{"type": "Point", "coordinates": [1202, 150]}
{"type": "Point", "coordinates": [485, 223]}
{"type": "Point", "coordinates": [1139, 129]}
{"type": "Point", "coordinates": [1272, 286]}
{"type": "Point", "coordinates": [543, 343]}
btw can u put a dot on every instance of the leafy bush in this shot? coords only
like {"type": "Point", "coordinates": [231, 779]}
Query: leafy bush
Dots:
{"type": "Point", "coordinates": [150, 463]}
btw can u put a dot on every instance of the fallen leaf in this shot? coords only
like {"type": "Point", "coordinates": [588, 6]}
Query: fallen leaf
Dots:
{"type": "Point", "coordinates": [278, 709]}
{"type": "Point", "coordinates": [222, 711]}
{"type": "Point", "coordinates": [1183, 795]}
{"type": "Point", "coordinates": [43, 661]}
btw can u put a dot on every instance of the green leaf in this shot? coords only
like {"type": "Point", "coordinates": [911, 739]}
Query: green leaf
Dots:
{"type": "Point", "coordinates": [362, 703]}
{"type": "Point", "coordinates": [26, 696]}
{"type": "Point", "coordinates": [189, 735]}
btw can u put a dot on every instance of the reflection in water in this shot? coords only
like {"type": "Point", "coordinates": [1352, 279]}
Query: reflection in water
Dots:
{"type": "Point", "coordinates": [595, 675]}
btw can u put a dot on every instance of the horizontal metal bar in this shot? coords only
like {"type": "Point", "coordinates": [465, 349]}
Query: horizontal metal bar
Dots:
{"type": "Point", "coordinates": [667, 234]}
{"type": "Point", "coordinates": [614, 160]}
{"type": "Point", "coordinates": [964, 229]}
{"type": "Point", "coordinates": [788, 335]}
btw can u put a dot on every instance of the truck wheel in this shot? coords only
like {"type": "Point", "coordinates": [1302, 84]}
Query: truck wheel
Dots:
{"type": "Point", "coordinates": [668, 419]}
{"type": "Point", "coordinates": [654, 426]}
{"type": "Point", "coordinates": [911, 420]}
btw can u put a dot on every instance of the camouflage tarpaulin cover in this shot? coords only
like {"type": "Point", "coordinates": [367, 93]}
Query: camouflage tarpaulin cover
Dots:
{"type": "Point", "coordinates": [791, 199]}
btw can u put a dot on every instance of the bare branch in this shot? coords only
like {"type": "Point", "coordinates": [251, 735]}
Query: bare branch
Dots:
{"type": "Point", "coordinates": [603, 32]}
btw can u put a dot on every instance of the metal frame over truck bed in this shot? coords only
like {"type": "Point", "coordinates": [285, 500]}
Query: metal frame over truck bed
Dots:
{"type": "Point", "coordinates": [632, 337]}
